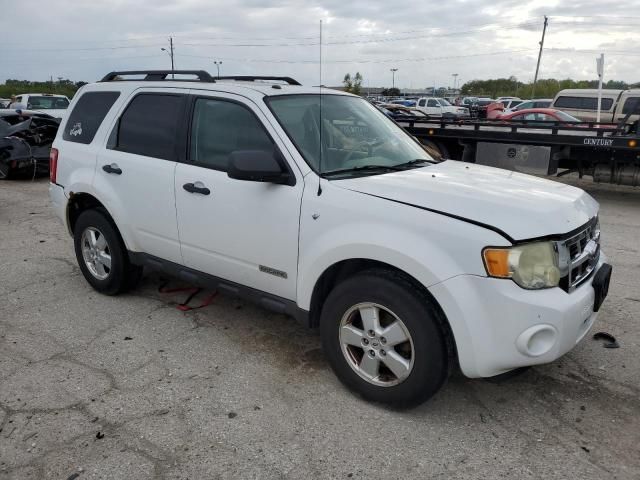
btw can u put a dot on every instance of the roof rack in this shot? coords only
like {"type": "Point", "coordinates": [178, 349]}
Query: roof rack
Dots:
{"type": "Point", "coordinates": [251, 78]}
{"type": "Point", "coordinates": [159, 75]}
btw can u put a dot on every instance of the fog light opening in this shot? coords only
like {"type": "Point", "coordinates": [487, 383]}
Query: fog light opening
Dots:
{"type": "Point", "coordinates": [537, 340]}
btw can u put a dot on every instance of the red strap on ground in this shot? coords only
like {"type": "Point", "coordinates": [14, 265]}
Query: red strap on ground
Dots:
{"type": "Point", "coordinates": [185, 308]}
{"type": "Point", "coordinates": [193, 291]}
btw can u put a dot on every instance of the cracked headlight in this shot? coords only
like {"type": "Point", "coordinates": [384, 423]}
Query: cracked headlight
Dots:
{"type": "Point", "coordinates": [530, 265]}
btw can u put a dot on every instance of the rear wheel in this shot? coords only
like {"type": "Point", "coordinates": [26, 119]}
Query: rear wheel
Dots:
{"type": "Point", "coordinates": [384, 339]}
{"type": "Point", "coordinates": [101, 254]}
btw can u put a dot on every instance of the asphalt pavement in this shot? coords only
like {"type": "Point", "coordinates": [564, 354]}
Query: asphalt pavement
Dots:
{"type": "Point", "coordinates": [130, 387]}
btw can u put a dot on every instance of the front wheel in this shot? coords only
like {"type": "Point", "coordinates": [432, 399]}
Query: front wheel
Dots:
{"type": "Point", "coordinates": [384, 339]}
{"type": "Point", "coordinates": [101, 254]}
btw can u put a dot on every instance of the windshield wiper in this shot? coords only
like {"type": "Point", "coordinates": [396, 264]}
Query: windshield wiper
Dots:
{"type": "Point", "coordinates": [412, 163]}
{"type": "Point", "coordinates": [364, 168]}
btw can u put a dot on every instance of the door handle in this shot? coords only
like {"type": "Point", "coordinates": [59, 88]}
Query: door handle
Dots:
{"type": "Point", "coordinates": [197, 187]}
{"type": "Point", "coordinates": [113, 168]}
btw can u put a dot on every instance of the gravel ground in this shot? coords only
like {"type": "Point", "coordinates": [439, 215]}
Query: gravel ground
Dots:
{"type": "Point", "coordinates": [130, 387]}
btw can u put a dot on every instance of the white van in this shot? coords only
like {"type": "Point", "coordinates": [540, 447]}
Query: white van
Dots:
{"type": "Point", "coordinates": [583, 104]}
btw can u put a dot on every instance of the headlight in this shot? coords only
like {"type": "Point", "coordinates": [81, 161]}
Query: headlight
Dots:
{"type": "Point", "coordinates": [531, 265]}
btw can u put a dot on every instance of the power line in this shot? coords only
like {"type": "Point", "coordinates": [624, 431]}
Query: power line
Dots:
{"type": "Point", "coordinates": [86, 49]}
{"type": "Point", "coordinates": [185, 36]}
{"type": "Point", "coordinates": [353, 42]}
{"type": "Point", "coordinates": [359, 61]}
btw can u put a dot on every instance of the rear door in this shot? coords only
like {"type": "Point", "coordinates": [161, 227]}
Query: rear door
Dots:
{"type": "Point", "coordinates": [135, 173]}
{"type": "Point", "coordinates": [242, 231]}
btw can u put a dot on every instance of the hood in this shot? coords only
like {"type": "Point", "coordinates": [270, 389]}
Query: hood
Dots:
{"type": "Point", "coordinates": [518, 205]}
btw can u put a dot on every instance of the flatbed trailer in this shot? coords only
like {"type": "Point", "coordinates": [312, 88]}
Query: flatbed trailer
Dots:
{"type": "Point", "coordinates": [610, 153]}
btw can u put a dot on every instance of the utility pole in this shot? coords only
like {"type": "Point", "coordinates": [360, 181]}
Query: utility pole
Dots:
{"type": "Point", "coordinates": [170, 52]}
{"type": "Point", "coordinates": [535, 78]}
{"type": "Point", "coordinates": [171, 47]}
{"type": "Point", "coordinates": [393, 78]}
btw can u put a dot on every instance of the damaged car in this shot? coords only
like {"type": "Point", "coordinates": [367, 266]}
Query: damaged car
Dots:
{"type": "Point", "coordinates": [25, 142]}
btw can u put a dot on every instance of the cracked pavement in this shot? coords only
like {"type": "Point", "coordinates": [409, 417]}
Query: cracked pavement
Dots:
{"type": "Point", "coordinates": [130, 387]}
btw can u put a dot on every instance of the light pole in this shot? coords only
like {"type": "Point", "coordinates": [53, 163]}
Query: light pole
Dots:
{"type": "Point", "coordinates": [218, 65]}
{"type": "Point", "coordinates": [455, 80]}
{"type": "Point", "coordinates": [393, 78]}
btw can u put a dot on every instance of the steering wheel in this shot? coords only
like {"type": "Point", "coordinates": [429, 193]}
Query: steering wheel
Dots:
{"type": "Point", "coordinates": [370, 146]}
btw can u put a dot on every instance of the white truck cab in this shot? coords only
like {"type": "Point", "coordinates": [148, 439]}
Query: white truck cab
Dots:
{"type": "Point", "coordinates": [313, 203]}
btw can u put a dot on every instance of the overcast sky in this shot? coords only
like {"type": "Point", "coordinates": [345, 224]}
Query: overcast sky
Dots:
{"type": "Point", "coordinates": [426, 41]}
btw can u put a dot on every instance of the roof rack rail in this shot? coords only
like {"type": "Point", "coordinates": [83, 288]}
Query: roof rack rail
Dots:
{"type": "Point", "coordinates": [159, 75]}
{"type": "Point", "coordinates": [251, 78]}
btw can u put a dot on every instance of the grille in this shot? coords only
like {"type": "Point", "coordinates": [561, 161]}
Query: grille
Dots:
{"type": "Point", "coordinates": [579, 254]}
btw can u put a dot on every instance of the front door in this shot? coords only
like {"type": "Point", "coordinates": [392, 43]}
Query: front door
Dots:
{"type": "Point", "coordinates": [242, 231]}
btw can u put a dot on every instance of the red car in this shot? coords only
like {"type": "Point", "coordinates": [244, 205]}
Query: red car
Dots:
{"type": "Point", "coordinates": [541, 115]}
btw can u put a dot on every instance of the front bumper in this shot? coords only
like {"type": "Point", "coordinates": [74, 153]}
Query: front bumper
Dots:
{"type": "Point", "coordinates": [499, 326]}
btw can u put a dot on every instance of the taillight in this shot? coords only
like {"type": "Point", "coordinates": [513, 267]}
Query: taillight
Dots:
{"type": "Point", "coordinates": [53, 165]}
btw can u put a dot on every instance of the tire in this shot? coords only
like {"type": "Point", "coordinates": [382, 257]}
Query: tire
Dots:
{"type": "Point", "coordinates": [396, 297]}
{"type": "Point", "coordinates": [96, 237]}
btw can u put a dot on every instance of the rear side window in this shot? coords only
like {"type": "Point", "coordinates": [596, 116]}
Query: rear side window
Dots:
{"type": "Point", "coordinates": [221, 127]}
{"type": "Point", "coordinates": [631, 105]}
{"type": "Point", "coordinates": [583, 103]}
{"type": "Point", "coordinates": [87, 115]}
{"type": "Point", "coordinates": [149, 126]}
{"type": "Point", "coordinates": [422, 102]}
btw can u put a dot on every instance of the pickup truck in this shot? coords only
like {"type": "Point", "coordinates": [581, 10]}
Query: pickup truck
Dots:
{"type": "Point", "coordinates": [439, 107]}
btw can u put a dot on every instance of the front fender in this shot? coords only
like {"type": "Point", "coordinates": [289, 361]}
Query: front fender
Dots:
{"type": "Point", "coordinates": [348, 225]}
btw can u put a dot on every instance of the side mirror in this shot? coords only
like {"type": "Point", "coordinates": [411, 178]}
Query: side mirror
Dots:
{"type": "Point", "coordinates": [258, 166]}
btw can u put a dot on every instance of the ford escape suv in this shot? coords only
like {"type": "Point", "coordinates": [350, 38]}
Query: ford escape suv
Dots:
{"type": "Point", "coordinates": [312, 203]}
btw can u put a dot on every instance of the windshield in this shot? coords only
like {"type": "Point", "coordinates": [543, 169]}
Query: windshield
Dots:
{"type": "Point", "coordinates": [443, 102]}
{"type": "Point", "coordinates": [47, 103]}
{"type": "Point", "coordinates": [354, 133]}
{"type": "Point", "coordinates": [565, 117]}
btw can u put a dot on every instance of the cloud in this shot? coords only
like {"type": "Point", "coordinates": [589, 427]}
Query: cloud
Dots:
{"type": "Point", "coordinates": [427, 42]}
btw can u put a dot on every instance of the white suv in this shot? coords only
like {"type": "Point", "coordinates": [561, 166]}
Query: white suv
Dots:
{"type": "Point", "coordinates": [313, 203]}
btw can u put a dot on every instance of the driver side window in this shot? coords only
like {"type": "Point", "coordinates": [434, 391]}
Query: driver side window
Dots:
{"type": "Point", "coordinates": [220, 127]}
{"type": "Point", "coordinates": [432, 103]}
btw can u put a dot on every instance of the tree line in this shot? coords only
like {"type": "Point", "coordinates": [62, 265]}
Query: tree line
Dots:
{"type": "Point", "coordinates": [61, 86]}
{"type": "Point", "coordinates": [544, 88]}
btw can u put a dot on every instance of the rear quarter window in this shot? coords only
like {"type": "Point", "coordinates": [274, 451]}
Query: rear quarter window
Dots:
{"type": "Point", "coordinates": [87, 115]}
